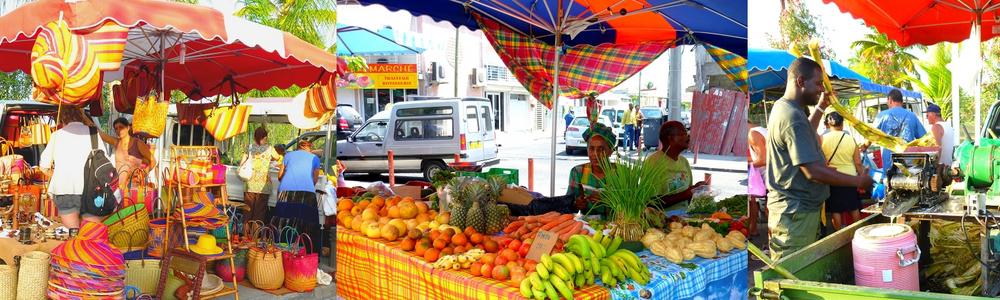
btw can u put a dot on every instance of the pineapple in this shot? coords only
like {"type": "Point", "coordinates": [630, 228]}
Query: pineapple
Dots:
{"type": "Point", "coordinates": [495, 219]}
{"type": "Point", "coordinates": [476, 216]}
{"type": "Point", "coordinates": [459, 194]}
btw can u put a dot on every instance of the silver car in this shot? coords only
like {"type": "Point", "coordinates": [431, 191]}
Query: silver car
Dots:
{"type": "Point", "coordinates": [574, 133]}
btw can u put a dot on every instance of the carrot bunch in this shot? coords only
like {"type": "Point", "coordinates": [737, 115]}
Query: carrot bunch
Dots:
{"type": "Point", "coordinates": [526, 227]}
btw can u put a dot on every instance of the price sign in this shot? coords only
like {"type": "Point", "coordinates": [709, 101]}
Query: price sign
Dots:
{"type": "Point", "coordinates": [543, 244]}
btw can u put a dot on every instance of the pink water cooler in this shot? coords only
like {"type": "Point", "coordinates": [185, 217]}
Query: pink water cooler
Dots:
{"type": "Point", "coordinates": [886, 256]}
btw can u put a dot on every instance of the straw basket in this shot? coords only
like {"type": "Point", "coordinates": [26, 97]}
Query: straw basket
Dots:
{"type": "Point", "coordinates": [143, 274]}
{"type": "Point", "coordinates": [8, 282]}
{"type": "Point", "coordinates": [33, 275]}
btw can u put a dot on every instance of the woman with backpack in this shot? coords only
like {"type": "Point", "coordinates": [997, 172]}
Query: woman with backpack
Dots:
{"type": "Point", "coordinates": [63, 158]}
{"type": "Point", "coordinates": [258, 188]}
{"type": "Point", "coordinates": [842, 153]}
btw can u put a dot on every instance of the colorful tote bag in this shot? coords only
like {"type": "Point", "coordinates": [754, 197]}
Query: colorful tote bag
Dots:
{"type": "Point", "coordinates": [226, 122]}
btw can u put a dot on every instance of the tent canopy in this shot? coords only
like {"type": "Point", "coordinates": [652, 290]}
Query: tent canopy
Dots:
{"type": "Point", "coordinates": [354, 40]}
{"type": "Point", "coordinates": [768, 70]}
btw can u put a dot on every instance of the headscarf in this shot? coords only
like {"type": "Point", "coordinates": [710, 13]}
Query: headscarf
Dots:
{"type": "Point", "coordinates": [603, 131]}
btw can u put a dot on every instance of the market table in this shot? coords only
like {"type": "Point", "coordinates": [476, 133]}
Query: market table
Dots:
{"type": "Point", "coordinates": [374, 269]}
{"type": "Point", "coordinates": [719, 278]}
{"type": "Point", "coordinates": [10, 247]}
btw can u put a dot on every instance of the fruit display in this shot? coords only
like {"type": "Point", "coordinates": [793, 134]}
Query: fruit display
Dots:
{"type": "Point", "coordinates": [685, 242]}
{"type": "Point", "coordinates": [458, 261]}
{"type": "Point", "coordinates": [584, 259]}
{"type": "Point", "coordinates": [446, 240]}
{"type": "Point", "coordinates": [474, 203]}
{"type": "Point", "coordinates": [526, 227]}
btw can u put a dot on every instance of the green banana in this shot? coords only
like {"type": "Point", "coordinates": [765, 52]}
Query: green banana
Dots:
{"type": "Point", "coordinates": [570, 284]}
{"type": "Point", "coordinates": [542, 272]}
{"type": "Point", "coordinates": [539, 294]}
{"type": "Point", "coordinates": [551, 290]}
{"type": "Point", "coordinates": [536, 282]}
{"type": "Point", "coordinates": [565, 261]}
{"type": "Point", "coordinates": [611, 266]}
{"type": "Point", "coordinates": [598, 235]}
{"type": "Point", "coordinates": [605, 274]}
{"type": "Point", "coordinates": [581, 279]}
{"type": "Point", "coordinates": [590, 277]}
{"type": "Point", "coordinates": [605, 241]}
{"type": "Point", "coordinates": [632, 263]}
{"type": "Point", "coordinates": [560, 272]}
{"type": "Point", "coordinates": [615, 243]}
{"type": "Point", "coordinates": [595, 264]}
{"type": "Point", "coordinates": [547, 261]}
{"type": "Point", "coordinates": [634, 275]}
{"type": "Point", "coordinates": [580, 241]}
{"type": "Point", "coordinates": [526, 288]}
{"type": "Point", "coordinates": [596, 248]}
{"type": "Point", "coordinates": [562, 288]}
{"type": "Point", "coordinates": [577, 263]}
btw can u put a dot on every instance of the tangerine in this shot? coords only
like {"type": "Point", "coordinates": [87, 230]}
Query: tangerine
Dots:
{"type": "Point", "coordinates": [394, 212]}
{"type": "Point", "coordinates": [422, 246]}
{"type": "Point", "coordinates": [459, 239]}
{"type": "Point", "coordinates": [407, 244]}
{"type": "Point", "coordinates": [432, 255]}
{"type": "Point", "coordinates": [510, 255]}
{"type": "Point", "coordinates": [440, 243]}
{"type": "Point", "coordinates": [476, 238]}
{"type": "Point", "coordinates": [447, 251]}
{"type": "Point", "coordinates": [476, 269]}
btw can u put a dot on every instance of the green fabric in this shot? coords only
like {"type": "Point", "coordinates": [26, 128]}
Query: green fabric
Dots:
{"type": "Point", "coordinates": [678, 177]}
{"type": "Point", "coordinates": [790, 231]}
{"type": "Point", "coordinates": [604, 131]}
{"type": "Point", "coordinates": [792, 142]}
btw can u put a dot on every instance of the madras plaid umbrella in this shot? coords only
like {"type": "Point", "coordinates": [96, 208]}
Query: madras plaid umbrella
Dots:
{"type": "Point", "coordinates": [733, 65]}
{"type": "Point", "coordinates": [594, 22]}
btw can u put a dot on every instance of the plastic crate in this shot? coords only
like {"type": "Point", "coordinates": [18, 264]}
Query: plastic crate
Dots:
{"type": "Point", "coordinates": [511, 175]}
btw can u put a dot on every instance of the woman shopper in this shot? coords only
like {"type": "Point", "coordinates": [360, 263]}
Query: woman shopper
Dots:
{"type": "Point", "coordinates": [299, 173]}
{"type": "Point", "coordinates": [131, 151]}
{"type": "Point", "coordinates": [64, 158]}
{"type": "Point", "coordinates": [258, 188]}
{"type": "Point", "coordinates": [842, 153]}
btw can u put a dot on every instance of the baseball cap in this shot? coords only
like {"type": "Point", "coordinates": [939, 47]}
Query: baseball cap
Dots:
{"type": "Point", "coordinates": [933, 108]}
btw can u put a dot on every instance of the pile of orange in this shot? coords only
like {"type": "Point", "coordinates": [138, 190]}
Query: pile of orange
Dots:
{"type": "Point", "coordinates": [389, 219]}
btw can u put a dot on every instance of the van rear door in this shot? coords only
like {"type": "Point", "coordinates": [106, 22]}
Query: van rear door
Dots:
{"type": "Point", "coordinates": [475, 131]}
{"type": "Point", "coordinates": [489, 140]}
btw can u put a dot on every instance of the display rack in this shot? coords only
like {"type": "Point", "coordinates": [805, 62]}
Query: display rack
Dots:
{"type": "Point", "coordinates": [182, 192]}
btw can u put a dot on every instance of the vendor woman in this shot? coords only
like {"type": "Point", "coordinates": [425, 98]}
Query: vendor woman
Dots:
{"type": "Point", "coordinates": [676, 189]}
{"type": "Point", "coordinates": [584, 180]}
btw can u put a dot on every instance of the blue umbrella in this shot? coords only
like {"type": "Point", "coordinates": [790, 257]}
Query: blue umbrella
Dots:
{"type": "Point", "coordinates": [768, 69]}
{"type": "Point", "coordinates": [722, 23]}
{"type": "Point", "coordinates": [353, 40]}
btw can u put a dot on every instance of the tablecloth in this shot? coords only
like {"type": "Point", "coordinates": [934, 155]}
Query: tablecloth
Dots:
{"type": "Point", "coordinates": [720, 278]}
{"type": "Point", "coordinates": [375, 269]}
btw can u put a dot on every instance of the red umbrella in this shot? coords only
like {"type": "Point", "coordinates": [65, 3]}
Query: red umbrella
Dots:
{"type": "Point", "coordinates": [202, 51]}
{"type": "Point", "coordinates": [928, 22]}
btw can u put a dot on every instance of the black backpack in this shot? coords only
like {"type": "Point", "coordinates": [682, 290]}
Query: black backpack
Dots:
{"type": "Point", "coordinates": [100, 182]}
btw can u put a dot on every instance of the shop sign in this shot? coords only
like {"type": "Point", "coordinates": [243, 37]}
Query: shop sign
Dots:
{"type": "Point", "coordinates": [383, 76]}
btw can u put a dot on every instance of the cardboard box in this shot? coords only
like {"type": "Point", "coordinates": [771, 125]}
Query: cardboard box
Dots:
{"type": "Point", "coordinates": [516, 195]}
{"type": "Point", "coordinates": [407, 191]}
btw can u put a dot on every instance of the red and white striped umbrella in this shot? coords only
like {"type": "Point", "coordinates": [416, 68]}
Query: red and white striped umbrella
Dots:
{"type": "Point", "coordinates": [202, 51]}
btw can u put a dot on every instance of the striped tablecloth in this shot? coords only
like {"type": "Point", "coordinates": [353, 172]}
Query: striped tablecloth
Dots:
{"type": "Point", "coordinates": [373, 269]}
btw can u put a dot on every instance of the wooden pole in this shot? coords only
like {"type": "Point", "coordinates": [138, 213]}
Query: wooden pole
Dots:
{"type": "Point", "coordinates": [531, 174]}
{"type": "Point", "coordinates": [392, 170]}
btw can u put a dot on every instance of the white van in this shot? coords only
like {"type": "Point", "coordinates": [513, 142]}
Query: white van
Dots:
{"type": "Point", "coordinates": [424, 137]}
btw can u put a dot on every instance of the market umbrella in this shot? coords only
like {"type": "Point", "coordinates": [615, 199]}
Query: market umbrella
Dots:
{"type": "Point", "coordinates": [928, 22]}
{"type": "Point", "coordinates": [562, 23]}
{"type": "Point", "coordinates": [197, 47]}
{"type": "Point", "coordinates": [354, 40]}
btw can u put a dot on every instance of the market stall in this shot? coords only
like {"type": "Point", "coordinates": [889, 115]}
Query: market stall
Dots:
{"type": "Point", "coordinates": [167, 230]}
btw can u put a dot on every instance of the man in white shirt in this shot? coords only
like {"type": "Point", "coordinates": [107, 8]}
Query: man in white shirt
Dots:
{"type": "Point", "coordinates": [65, 155]}
{"type": "Point", "coordinates": [943, 134]}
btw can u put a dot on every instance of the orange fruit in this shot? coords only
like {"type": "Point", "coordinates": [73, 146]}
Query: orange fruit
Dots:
{"type": "Point", "coordinates": [501, 273]}
{"type": "Point", "coordinates": [344, 204]}
{"type": "Point", "coordinates": [378, 201]}
{"type": "Point", "coordinates": [440, 243]}
{"type": "Point", "coordinates": [476, 268]}
{"type": "Point", "coordinates": [491, 246]}
{"type": "Point", "coordinates": [407, 210]}
{"type": "Point", "coordinates": [384, 211]}
{"type": "Point", "coordinates": [448, 232]}
{"type": "Point", "coordinates": [435, 234]}
{"type": "Point", "coordinates": [443, 218]}
{"type": "Point", "coordinates": [476, 238]}
{"type": "Point", "coordinates": [422, 207]}
{"type": "Point", "coordinates": [459, 239]}
{"type": "Point", "coordinates": [392, 201]}
{"type": "Point", "coordinates": [500, 260]}
{"type": "Point", "coordinates": [510, 255]}
{"type": "Point", "coordinates": [432, 255]}
{"type": "Point", "coordinates": [407, 244]}
{"type": "Point", "coordinates": [469, 231]}
{"type": "Point", "coordinates": [488, 258]}
{"type": "Point", "coordinates": [486, 270]}
{"type": "Point", "coordinates": [363, 203]}
{"type": "Point", "coordinates": [414, 234]}
{"type": "Point", "coordinates": [422, 246]}
{"type": "Point", "coordinates": [447, 251]}
{"type": "Point", "coordinates": [514, 245]}
{"type": "Point", "coordinates": [460, 249]}
{"type": "Point", "coordinates": [423, 217]}
{"type": "Point", "coordinates": [394, 212]}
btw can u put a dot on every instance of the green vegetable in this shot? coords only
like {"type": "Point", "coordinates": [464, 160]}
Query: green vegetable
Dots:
{"type": "Point", "coordinates": [736, 206]}
{"type": "Point", "coordinates": [702, 204]}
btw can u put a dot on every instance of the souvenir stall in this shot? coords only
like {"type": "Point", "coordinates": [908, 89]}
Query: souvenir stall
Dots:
{"type": "Point", "coordinates": [170, 232]}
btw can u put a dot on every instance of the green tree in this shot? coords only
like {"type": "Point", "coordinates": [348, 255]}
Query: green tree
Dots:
{"type": "Point", "coordinates": [305, 19]}
{"type": "Point", "coordinates": [937, 85]}
{"type": "Point", "coordinates": [797, 26]}
{"type": "Point", "coordinates": [884, 61]}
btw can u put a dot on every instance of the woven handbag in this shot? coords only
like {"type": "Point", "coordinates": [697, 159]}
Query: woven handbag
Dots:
{"type": "Point", "coordinates": [33, 275]}
{"type": "Point", "coordinates": [157, 234]}
{"type": "Point", "coordinates": [132, 217]}
{"type": "Point", "coordinates": [301, 266]}
{"type": "Point", "coordinates": [265, 267]}
{"type": "Point", "coordinates": [240, 267]}
{"type": "Point", "coordinates": [144, 274]}
{"type": "Point", "coordinates": [150, 116]}
{"type": "Point", "coordinates": [226, 122]}
{"type": "Point", "coordinates": [287, 238]}
{"type": "Point", "coordinates": [8, 282]}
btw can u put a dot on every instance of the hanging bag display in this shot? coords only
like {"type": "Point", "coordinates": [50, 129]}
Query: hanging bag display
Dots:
{"type": "Point", "coordinates": [322, 97]}
{"type": "Point", "coordinates": [150, 116]}
{"type": "Point", "coordinates": [301, 265]}
{"type": "Point", "coordinates": [143, 273]}
{"type": "Point", "coordinates": [24, 134]}
{"type": "Point", "coordinates": [226, 122]}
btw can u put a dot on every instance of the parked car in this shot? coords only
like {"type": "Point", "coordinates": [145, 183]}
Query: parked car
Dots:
{"type": "Point", "coordinates": [17, 113]}
{"type": "Point", "coordinates": [574, 134]}
{"type": "Point", "coordinates": [348, 120]}
{"type": "Point", "coordinates": [652, 118]}
{"type": "Point", "coordinates": [424, 137]}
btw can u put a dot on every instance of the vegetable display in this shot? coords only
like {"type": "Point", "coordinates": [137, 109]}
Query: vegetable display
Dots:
{"type": "Point", "coordinates": [685, 242]}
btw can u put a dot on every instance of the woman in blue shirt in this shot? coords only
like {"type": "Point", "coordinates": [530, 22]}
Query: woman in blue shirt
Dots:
{"type": "Point", "coordinates": [299, 172]}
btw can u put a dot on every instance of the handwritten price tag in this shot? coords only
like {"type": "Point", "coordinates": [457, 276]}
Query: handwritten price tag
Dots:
{"type": "Point", "coordinates": [544, 242]}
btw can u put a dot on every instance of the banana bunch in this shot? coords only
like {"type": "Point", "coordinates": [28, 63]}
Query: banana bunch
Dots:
{"type": "Point", "coordinates": [556, 275]}
{"type": "Point", "coordinates": [458, 261]}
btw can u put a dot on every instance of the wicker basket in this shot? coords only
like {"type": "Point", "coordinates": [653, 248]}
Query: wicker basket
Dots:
{"type": "Point", "coordinates": [33, 276]}
{"type": "Point", "coordinates": [143, 274]}
{"type": "Point", "coordinates": [8, 282]}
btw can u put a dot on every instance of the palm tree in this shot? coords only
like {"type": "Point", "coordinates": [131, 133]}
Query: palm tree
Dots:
{"type": "Point", "coordinates": [308, 20]}
{"type": "Point", "coordinates": [937, 84]}
{"type": "Point", "coordinates": [889, 63]}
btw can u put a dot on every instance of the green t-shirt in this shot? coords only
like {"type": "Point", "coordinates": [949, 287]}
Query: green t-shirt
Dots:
{"type": "Point", "coordinates": [791, 142]}
{"type": "Point", "coordinates": [678, 172]}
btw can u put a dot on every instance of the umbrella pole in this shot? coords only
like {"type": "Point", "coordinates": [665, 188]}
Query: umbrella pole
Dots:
{"type": "Point", "coordinates": [977, 27]}
{"type": "Point", "coordinates": [555, 107]}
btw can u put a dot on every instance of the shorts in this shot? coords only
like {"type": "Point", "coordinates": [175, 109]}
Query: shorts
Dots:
{"type": "Point", "coordinates": [843, 199]}
{"type": "Point", "coordinates": [67, 204]}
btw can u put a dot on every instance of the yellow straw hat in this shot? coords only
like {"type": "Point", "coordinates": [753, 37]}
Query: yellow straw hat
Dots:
{"type": "Point", "coordinates": [206, 245]}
